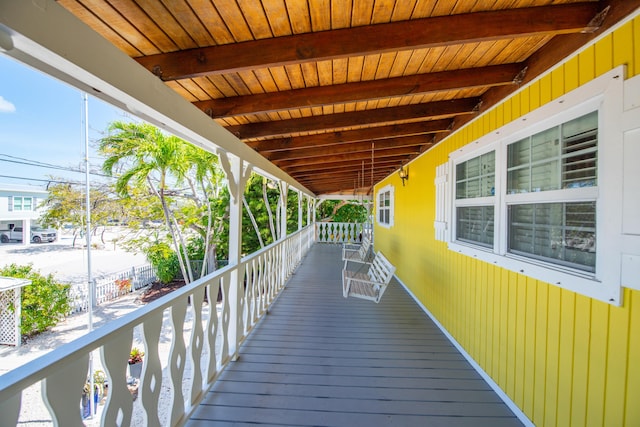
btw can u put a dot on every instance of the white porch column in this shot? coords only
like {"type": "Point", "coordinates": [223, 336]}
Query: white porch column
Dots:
{"type": "Point", "coordinates": [284, 193]}
{"type": "Point", "coordinates": [237, 172]}
{"type": "Point", "coordinates": [26, 232]}
{"type": "Point", "coordinates": [300, 196]}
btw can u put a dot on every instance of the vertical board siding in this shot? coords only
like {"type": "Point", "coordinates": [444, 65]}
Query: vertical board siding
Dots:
{"type": "Point", "coordinates": [563, 358]}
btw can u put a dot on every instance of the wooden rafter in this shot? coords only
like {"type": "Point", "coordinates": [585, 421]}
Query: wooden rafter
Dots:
{"type": "Point", "coordinates": [405, 35]}
{"type": "Point", "coordinates": [434, 110]}
{"type": "Point", "coordinates": [496, 75]}
{"type": "Point", "coordinates": [357, 135]}
{"type": "Point", "coordinates": [356, 147]}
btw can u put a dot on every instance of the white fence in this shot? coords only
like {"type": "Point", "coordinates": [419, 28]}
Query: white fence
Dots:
{"type": "Point", "coordinates": [341, 232]}
{"type": "Point", "coordinates": [111, 286]}
{"type": "Point", "coordinates": [201, 340]}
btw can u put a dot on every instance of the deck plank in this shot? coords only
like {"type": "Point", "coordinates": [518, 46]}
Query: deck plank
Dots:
{"type": "Point", "coordinates": [318, 359]}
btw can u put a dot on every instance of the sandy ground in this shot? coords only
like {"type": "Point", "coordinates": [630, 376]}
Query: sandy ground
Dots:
{"type": "Point", "coordinates": [67, 264]}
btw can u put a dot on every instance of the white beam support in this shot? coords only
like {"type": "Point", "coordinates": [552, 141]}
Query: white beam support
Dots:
{"type": "Point", "coordinates": [237, 172]}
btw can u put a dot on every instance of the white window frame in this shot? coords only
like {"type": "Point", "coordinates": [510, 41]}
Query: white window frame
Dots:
{"type": "Point", "coordinates": [604, 94]}
{"type": "Point", "coordinates": [21, 204]}
{"type": "Point", "coordinates": [390, 190]}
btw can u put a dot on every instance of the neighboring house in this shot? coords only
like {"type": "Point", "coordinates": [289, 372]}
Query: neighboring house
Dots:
{"type": "Point", "coordinates": [19, 207]}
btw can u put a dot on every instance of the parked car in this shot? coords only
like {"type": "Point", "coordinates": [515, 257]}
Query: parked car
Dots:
{"type": "Point", "coordinates": [37, 235]}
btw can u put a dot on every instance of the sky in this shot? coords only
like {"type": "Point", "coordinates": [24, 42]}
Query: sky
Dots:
{"type": "Point", "coordinates": [42, 120]}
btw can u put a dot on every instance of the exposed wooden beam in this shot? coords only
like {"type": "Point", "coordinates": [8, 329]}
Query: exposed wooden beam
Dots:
{"type": "Point", "coordinates": [378, 154]}
{"type": "Point", "coordinates": [354, 147]}
{"type": "Point", "coordinates": [340, 137]}
{"type": "Point", "coordinates": [345, 165]}
{"type": "Point", "coordinates": [404, 35]}
{"type": "Point", "coordinates": [559, 48]}
{"type": "Point", "coordinates": [435, 110]}
{"type": "Point", "coordinates": [496, 75]}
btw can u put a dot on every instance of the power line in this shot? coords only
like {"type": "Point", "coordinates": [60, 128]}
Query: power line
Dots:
{"type": "Point", "coordinates": [28, 162]}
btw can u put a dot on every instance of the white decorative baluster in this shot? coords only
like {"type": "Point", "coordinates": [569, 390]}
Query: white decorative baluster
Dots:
{"type": "Point", "coordinates": [151, 379]}
{"type": "Point", "coordinates": [62, 390]}
{"type": "Point", "coordinates": [197, 344]}
{"type": "Point", "coordinates": [10, 410]}
{"type": "Point", "coordinates": [115, 355]}
{"type": "Point", "coordinates": [225, 317]}
{"type": "Point", "coordinates": [212, 328]}
{"type": "Point", "coordinates": [177, 359]}
{"type": "Point", "coordinates": [248, 296]}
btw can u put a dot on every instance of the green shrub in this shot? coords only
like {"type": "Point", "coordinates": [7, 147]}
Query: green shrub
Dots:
{"type": "Point", "coordinates": [44, 301]}
{"type": "Point", "coordinates": [164, 260]}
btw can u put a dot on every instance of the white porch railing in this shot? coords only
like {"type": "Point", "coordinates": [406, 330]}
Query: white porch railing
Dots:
{"type": "Point", "coordinates": [202, 345]}
{"type": "Point", "coordinates": [341, 232]}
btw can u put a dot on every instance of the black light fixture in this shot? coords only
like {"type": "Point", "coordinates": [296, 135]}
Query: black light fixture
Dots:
{"type": "Point", "coordinates": [404, 174]}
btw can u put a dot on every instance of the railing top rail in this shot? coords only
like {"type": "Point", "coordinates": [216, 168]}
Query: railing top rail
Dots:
{"type": "Point", "coordinates": [25, 375]}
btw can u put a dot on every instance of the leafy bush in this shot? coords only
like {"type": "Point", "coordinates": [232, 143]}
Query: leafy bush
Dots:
{"type": "Point", "coordinates": [164, 260]}
{"type": "Point", "coordinates": [44, 301]}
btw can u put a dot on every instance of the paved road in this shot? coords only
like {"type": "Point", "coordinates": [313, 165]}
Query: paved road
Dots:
{"type": "Point", "coordinates": [68, 263]}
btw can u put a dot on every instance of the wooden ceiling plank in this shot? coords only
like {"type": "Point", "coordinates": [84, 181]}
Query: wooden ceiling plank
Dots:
{"type": "Point", "coordinates": [187, 28]}
{"type": "Point", "coordinates": [397, 86]}
{"type": "Point", "coordinates": [405, 35]}
{"type": "Point", "coordinates": [234, 20]}
{"type": "Point", "coordinates": [212, 21]}
{"type": "Point", "coordinates": [299, 16]}
{"type": "Point", "coordinates": [357, 135]}
{"type": "Point", "coordinates": [433, 110]}
{"type": "Point", "coordinates": [105, 28]}
{"type": "Point", "coordinates": [319, 11]}
{"type": "Point", "coordinates": [254, 15]}
{"type": "Point", "coordinates": [278, 17]}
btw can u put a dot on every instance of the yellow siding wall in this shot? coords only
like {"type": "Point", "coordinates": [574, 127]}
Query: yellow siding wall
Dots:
{"type": "Point", "coordinates": [563, 358]}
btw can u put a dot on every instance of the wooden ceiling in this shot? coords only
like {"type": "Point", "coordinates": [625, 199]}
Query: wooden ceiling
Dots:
{"type": "Point", "coordinates": [340, 93]}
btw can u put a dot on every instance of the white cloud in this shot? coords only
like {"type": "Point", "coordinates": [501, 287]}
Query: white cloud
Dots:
{"type": "Point", "coordinates": [6, 106]}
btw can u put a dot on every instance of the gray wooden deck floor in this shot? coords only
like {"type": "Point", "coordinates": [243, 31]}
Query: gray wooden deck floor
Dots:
{"type": "Point", "coordinates": [321, 360]}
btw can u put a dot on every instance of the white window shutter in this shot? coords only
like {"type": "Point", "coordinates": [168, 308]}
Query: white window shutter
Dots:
{"type": "Point", "coordinates": [442, 201]}
{"type": "Point", "coordinates": [10, 203]}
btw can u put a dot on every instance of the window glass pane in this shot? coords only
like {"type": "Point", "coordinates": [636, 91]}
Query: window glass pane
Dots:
{"type": "Point", "coordinates": [545, 176]}
{"type": "Point", "coordinates": [561, 157]}
{"type": "Point", "coordinates": [474, 224]}
{"type": "Point", "coordinates": [27, 204]}
{"type": "Point", "coordinates": [476, 177]}
{"type": "Point", "coordinates": [518, 180]}
{"type": "Point", "coordinates": [17, 203]}
{"type": "Point", "coordinates": [562, 233]}
{"type": "Point", "coordinates": [545, 145]}
{"type": "Point", "coordinates": [519, 153]}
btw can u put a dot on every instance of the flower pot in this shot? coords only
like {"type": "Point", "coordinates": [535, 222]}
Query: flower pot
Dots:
{"type": "Point", "coordinates": [135, 370]}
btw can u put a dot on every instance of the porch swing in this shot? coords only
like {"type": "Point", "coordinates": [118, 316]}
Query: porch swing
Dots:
{"type": "Point", "coordinates": [370, 280]}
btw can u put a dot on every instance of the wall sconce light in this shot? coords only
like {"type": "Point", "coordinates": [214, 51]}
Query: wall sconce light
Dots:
{"type": "Point", "coordinates": [404, 174]}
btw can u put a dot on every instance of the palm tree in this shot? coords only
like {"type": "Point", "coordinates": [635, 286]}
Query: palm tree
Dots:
{"type": "Point", "coordinates": [142, 154]}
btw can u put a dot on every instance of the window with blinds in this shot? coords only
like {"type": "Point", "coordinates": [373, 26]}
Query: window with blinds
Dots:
{"type": "Point", "coordinates": [475, 188]}
{"type": "Point", "coordinates": [562, 233]}
{"type": "Point", "coordinates": [561, 158]}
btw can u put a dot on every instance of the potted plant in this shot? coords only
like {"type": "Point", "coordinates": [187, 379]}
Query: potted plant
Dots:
{"type": "Point", "coordinates": [135, 362]}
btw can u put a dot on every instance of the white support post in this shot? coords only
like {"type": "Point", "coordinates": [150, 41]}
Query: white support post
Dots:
{"type": "Point", "coordinates": [300, 196]}
{"type": "Point", "coordinates": [26, 232]}
{"type": "Point", "coordinates": [237, 172]}
{"type": "Point", "coordinates": [284, 193]}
